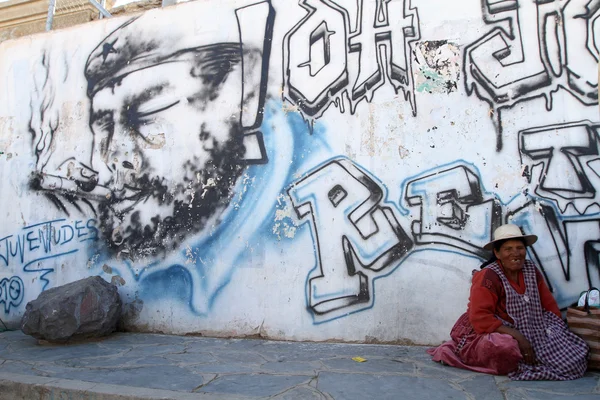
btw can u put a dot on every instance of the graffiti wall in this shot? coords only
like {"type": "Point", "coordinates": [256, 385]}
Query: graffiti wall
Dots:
{"type": "Point", "coordinates": [305, 170]}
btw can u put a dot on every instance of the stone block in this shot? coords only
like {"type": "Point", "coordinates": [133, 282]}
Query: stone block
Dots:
{"type": "Point", "coordinates": [86, 308]}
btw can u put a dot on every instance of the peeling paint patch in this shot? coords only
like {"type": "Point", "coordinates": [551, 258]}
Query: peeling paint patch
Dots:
{"type": "Point", "coordinates": [284, 230]}
{"type": "Point", "coordinates": [289, 231]}
{"type": "Point", "coordinates": [403, 151]}
{"type": "Point", "coordinates": [286, 108]}
{"type": "Point", "coordinates": [7, 128]}
{"type": "Point", "coordinates": [246, 182]}
{"type": "Point", "coordinates": [92, 261]}
{"type": "Point", "coordinates": [155, 142]}
{"type": "Point", "coordinates": [284, 226]}
{"type": "Point", "coordinates": [437, 65]}
{"type": "Point", "coordinates": [117, 281]}
{"type": "Point", "coordinates": [189, 254]}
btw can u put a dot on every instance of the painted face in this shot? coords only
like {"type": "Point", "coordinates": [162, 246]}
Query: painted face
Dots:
{"type": "Point", "coordinates": [155, 195]}
{"type": "Point", "coordinates": [512, 255]}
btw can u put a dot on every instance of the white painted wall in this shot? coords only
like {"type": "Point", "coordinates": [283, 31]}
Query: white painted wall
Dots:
{"type": "Point", "coordinates": [243, 168]}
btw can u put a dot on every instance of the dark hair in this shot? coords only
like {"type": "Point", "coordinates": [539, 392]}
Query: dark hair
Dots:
{"type": "Point", "coordinates": [497, 246]}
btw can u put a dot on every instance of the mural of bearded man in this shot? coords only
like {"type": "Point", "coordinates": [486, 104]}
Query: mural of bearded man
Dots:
{"type": "Point", "coordinates": [147, 95]}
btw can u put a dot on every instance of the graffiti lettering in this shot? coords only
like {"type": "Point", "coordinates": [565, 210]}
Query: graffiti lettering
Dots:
{"type": "Point", "coordinates": [316, 69]}
{"type": "Point", "coordinates": [347, 210]}
{"type": "Point", "coordinates": [45, 240]}
{"type": "Point", "coordinates": [562, 161]}
{"type": "Point", "coordinates": [317, 52]}
{"type": "Point", "coordinates": [548, 46]}
{"type": "Point", "coordinates": [453, 211]}
{"type": "Point", "coordinates": [581, 49]}
{"type": "Point", "coordinates": [566, 250]}
{"type": "Point", "coordinates": [254, 37]}
{"type": "Point", "coordinates": [12, 292]}
{"type": "Point", "coordinates": [449, 201]}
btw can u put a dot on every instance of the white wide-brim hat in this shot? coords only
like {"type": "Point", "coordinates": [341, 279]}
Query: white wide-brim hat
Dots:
{"type": "Point", "coordinates": [510, 231]}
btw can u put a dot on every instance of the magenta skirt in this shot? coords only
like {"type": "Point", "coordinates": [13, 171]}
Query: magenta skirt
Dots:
{"type": "Point", "coordinates": [489, 353]}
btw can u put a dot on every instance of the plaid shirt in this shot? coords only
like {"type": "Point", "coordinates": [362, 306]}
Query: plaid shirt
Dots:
{"type": "Point", "coordinates": [560, 354]}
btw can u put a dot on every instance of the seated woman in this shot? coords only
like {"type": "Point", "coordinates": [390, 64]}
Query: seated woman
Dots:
{"type": "Point", "coordinates": [513, 324]}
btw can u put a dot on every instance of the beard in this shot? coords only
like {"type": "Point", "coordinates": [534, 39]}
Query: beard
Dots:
{"type": "Point", "coordinates": [165, 212]}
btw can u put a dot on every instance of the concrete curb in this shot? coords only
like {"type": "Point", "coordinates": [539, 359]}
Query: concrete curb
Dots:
{"type": "Point", "coordinates": [26, 387]}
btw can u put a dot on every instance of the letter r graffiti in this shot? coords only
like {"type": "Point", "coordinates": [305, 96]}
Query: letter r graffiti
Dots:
{"type": "Point", "coordinates": [355, 236]}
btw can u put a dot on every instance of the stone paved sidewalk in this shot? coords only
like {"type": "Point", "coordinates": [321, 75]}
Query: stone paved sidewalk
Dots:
{"type": "Point", "coordinates": [145, 366]}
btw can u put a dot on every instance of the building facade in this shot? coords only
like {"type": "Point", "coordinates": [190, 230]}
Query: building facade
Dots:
{"type": "Point", "coordinates": [304, 170]}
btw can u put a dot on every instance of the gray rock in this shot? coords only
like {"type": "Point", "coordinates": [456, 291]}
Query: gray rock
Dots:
{"type": "Point", "coordinates": [87, 308]}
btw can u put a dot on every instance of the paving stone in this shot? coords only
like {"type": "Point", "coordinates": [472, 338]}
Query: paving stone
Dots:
{"type": "Point", "coordinates": [204, 344]}
{"type": "Point", "coordinates": [94, 362]}
{"type": "Point", "coordinates": [14, 336]}
{"type": "Point", "coordinates": [482, 387]}
{"type": "Point", "coordinates": [275, 351]}
{"type": "Point", "coordinates": [532, 395]}
{"type": "Point", "coordinates": [145, 351]}
{"type": "Point", "coordinates": [258, 369]}
{"type": "Point", "coordinates": [156, 377]}
{"type": "Point", "coordinates": [191, 358]}
{"type": "Point", "coordinates": [382, 387]}
{"type": "Point", "coordinates": [143, 338]}
{"type": "Point", "coordinates": [18, 367]}
{"type": "Point", "coordinates": [396, 351]}
{"type": "Point", "coordinates": [21, 344]}
{"type": "Point", "coordinates": [59, 370]}
{"type": "Point", "coordinates": [154, 360]}
{"type": "Point", "coordinates": [418, 353]}
{"type": "Point", "coordinates": [306, 356]}
{"type": "Point", "coordinates": [292, 367]}
{"type": "Point", "coordinates": [224, 368]}
{"type": "Point", "coordinates": [301, 392]}
{"type": "Point", "coordinates": [58, 352]}
{"type": "Point", "coordinates": [26, 379]}
{"type": "Point", "coordinates": [372, 365]}
{"type": "Point", "coordinates": [253, 384]}
{"type": "Point", "coordinates": [309, 351]}
{"type": "Point", "coordinates": [240, 356]}
{"type": "Point", "coordinates": [301, 347]}
{"type": "Point", "coordinates": [354, 350]}
{"type": "Point", "coordinates": [108, 344]}
{"type": "Point", "coordinates": [243, 344]}
{"type": "Point", "coordinates": [437, 370]}
{"type": "Point", "coordinates": [333, 349]}
{"type": "Point", "coordinates": [587, 384]}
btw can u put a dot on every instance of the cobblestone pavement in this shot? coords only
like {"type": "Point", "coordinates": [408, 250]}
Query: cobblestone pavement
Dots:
{"type": "Point", "coordinates": [145, 366]}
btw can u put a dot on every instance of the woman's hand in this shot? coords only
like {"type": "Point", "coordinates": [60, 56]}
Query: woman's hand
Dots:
{"type": "Point", "coordinates": [524, 346]}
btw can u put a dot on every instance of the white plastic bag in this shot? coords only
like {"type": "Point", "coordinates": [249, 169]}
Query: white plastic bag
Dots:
{"type": "Point", "coordinates": [593, 299]}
